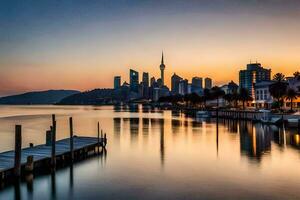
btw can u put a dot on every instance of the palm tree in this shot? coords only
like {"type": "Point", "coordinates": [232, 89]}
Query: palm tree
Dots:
{"type": "Point", "coordinates": [217, 93]}
{"type": "Point", "coordinates": [244, 96]}
{"type": "Point", "coordinates": [229, 98]}
{"type": "Point", "coordinates": [279, 77]}
{"type": "Point", "coordinates": [297, 75]}
{"type": "Point", "coordinates": [278, 88]}
{"type": "Point", "coordinates": [291, 95]}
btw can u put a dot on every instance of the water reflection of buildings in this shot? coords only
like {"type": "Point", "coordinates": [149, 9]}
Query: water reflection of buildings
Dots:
{"type": "Point", "coordinates": [255, 139]}
{"type": "Point", "coordinates": [231, 125]}
{"type": "Point", "coordinates": [117, 125]}
{"type": "Point", "coordinates": [162, 142]}
{"type": "Point", "coordinates": [160, 124]}
{"type": "Point", "coordinates": [134, 128]}
{"type": "Point", "coordinates": [176, 124]}
{"type": "Point", "coordinates": [146, 124]}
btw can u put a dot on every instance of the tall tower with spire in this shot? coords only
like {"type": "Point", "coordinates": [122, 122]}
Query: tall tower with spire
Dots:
{"type": "Point", "coordinates": [162, 69]}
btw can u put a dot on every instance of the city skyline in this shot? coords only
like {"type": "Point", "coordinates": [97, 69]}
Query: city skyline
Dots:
{"type": "Point", "coordinates": [76, 45]}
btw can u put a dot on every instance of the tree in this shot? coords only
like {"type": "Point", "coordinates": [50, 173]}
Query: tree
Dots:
{"type": "Point", "coordinates": [291, 95]}
{"type": "Point", "coordinates": [216, 93]}
{"type": "Point", "coordinates": [244, 96]}
{"type": "Point", "coordinates": [229, 98]}
{"type": "Point", "coordinates": [297, 75]}
{"type": "Point", "coordinates": [278, 88]}
{"type": "Point", "coordinates": [279, 77]}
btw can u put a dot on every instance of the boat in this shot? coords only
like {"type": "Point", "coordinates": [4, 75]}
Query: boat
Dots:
{"type": "Point", "coordinates": [293, 122]}
{"type": "Point", "coordinates": [267, 118]}
{"type": "Point", "coordinates": [203, 114]}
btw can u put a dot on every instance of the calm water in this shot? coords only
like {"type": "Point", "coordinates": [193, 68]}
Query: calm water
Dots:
{"type": "Point", "coordinates": [155, 154]}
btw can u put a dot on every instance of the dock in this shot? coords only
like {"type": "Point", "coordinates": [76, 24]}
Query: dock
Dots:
{"type": "Point", "coordinates": [48, 156]}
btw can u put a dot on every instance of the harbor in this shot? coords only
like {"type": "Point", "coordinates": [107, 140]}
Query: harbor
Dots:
{"type": "Point", "coordinates": [49, 156]}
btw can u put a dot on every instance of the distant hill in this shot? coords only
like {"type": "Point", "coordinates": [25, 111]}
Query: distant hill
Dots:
{"type": "Point", "coordinates": [96, 97]}
{"type": "Point", "coordinates": [40, 97]}
{"type": "Point", "coordinates": [93, 97]}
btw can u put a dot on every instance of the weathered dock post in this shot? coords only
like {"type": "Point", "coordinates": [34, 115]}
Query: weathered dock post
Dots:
{"type": "Point", "coordinates": [105, 140]}
{"type": "Point", "coordinates": [48, 137]}
{"type": "Point", "coordinates": [29, 164]}
{"type": "Point", "coordinates": [53, 157]}
{"type": "Point", "coordinates": [71, 139]}
{"type": "Point", "coordinates": [18, 149]}
{"type": "Point", "coordinates": [98, 137]}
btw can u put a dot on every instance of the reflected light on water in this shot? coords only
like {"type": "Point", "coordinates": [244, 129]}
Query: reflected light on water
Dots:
{"type": "Point", "coordinates": [155, 154]}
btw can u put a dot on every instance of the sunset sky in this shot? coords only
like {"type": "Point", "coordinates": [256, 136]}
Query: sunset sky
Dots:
{"type": "Point", "coordinates": [83, 44]}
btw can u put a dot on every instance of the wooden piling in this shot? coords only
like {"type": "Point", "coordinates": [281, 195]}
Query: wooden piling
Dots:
{"type": "Point", "coordinates": [53, 157]}
{"type": "Point", "coordinates": [71, 139]}
{"type": "Point", "coordinates": [98, 137]}
{"type": "Point", "coordinates": [18, 149]}
{"type": "Point", "coordinates": [29, 164]}
{"type": "Point", "coordinates": [48, 137]}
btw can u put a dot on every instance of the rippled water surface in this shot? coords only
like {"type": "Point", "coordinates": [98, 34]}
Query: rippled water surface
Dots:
{"type": "Point", "coordinates": [155, 154]}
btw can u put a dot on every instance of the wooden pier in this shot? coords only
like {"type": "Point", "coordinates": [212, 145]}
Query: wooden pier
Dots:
{"type": "Point", "coordinates": [18, 162]}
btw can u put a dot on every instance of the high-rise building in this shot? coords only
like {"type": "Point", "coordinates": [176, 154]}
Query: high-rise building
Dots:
{"type": "Point", "coordinates": [207, 83]}
{"type": "Point", "coordinates": [159, 82]}
{"type": "Point", "coordinates": [152, 81]}
{"type": "Point", "coordinates": [146, 79]}
{"type": "Point", "coordinates": [145, 83]}
{"type": "Point", "coordinates": [175, 79]}
{"type": "Point", "coordinates": [196, 86]}
{"type": "Point", "coordinates": [134, 80]}
{"type": "Point", "coordinates": [117, 82]}
{"type": "Point", "coordinates": [197, 82]}
{"type": "Point", "coordinates": [254, 73]}
{"type": "Point", "coordinates": [183, 87]}
{"type": "Point", "coordinates": [162, 69]}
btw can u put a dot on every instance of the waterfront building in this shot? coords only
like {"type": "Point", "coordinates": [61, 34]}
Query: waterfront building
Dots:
{"type": "Point", "coordinates": [208, 83]}
{"type": "Point", "coordinates": [230, 88]}
{"type": "Point", "coordinates": [134, 80]}
{"type": "Point", "coordinates": [183, 87]}
{"type": "Point", "coordinates": [175, 79]}
{"type": "Point", "coordinates": [263, 98]}
{"type": "Point", "coordinates": [254, 73]}
{"type": "Point", "coordinates": [117, 82]}
{"type": "Point", "coordinates": [196, 86]}
{"type": "Point", "coordinates": [162, 69]}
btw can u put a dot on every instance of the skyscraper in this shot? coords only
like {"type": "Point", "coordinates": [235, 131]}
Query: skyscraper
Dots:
{"type": "Point", "coordinates": [146, 79]}
{"type": "Point", "coordinates": [145, 83]}
{"type": "Point", "coordinates": [175, 79]}
{"type": "Point", "coordinates": [196, 86]}
{"type": "Point", "coordinates": [152, 81]}
{"type": "Point", "coordinates": [207, 83]}
{"type": "Point", "coordinates": [117, 82]}
{"type": "Point", "coordinates": [183, 87]}
{"type": "Point", "coordinates": [134, 80]}
{"type": "Point", "coordinates": [162, 69]}
{"type": "Point", "coordinates": [254, 73]}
